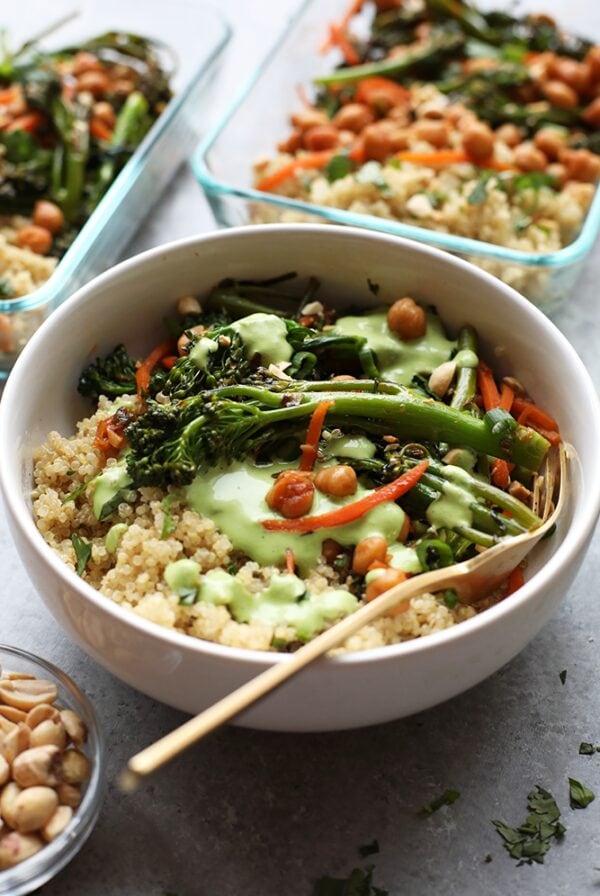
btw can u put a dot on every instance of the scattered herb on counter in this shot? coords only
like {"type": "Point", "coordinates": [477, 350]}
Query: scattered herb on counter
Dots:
{"type": "Point", "coordinates": [369, 849]}
{"type": "Point", "coordinates": [586, 749]}
{"type": "Point", "coordinates": [531, 840]}
{"type": "Point", "coordinates": [563, 676]}
{"type": "Point", "coordinates": [358, 883]}
{"type": "Point", "coordinates": [488, 858]}
{"type": "Point", "coordinates": [83, 552]}
{"type": "Point", "coordinates": [580, 796]}
{"type": "Point", "coordinates": [445, 799]}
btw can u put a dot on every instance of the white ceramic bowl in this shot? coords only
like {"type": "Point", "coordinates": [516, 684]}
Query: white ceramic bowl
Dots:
{"type": "Point", "coordinates": [128, 303]}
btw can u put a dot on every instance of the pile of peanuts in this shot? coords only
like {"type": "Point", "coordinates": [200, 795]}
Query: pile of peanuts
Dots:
{"type": "Point", "coordinates": [389, 120]}
{"type": "Point", "coordinates": [42, 766]}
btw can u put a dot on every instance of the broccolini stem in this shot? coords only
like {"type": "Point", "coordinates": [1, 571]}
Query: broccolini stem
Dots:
{"type": "Point", "coordinates": [466, 381]}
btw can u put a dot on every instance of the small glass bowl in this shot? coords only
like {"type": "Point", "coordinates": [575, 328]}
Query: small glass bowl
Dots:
{"type": "Point", "coordinates": [44, 865]}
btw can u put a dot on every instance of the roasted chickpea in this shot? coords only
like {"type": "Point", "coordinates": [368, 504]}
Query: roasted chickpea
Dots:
{"type": "Point", "coordinates": [455, 111]}
{"type": "Point", "coordinates": [509, 134]}
{"type": "Point", "coordinates": [330, 550]}
{"type": "Point", "coordinates": [339, 480]}
{"type": "Point", "coordinates": [96, 83]}
{"type": "Point", "coordinates": [293, 143]}
{"type": "Point", "coordinates": [570, 72]}
{"type": "Point", "coordinates": [353, 117]}
{"type": "Point", "coordinates": [550, 141]}
{"type": "Point", "coordinates": [528, 158]}
{"type": "Point", "coordinates": [387, 579]}
{"type": "Point", "coordinates": [369, 550]}
{"type": "Point", "coordinates": [47, 214]}
{"type": "Point", "coordinates": [559, 94]}
{"type": "Point", "coordinates": [581, 164]}
{"type": "Point", "coordinates": [38, 239]}
{"type": "Point", "coordinates": [122, 86]}
{"type": "Point", "coordinates": [591, 113]}
{"type": "Point", "coordinates": [407, 319]}
{"type": "Point", "coordinates": [321, 136]}
{"type": "Point", "coordinates": [85, 62]}
{"type": "Point", "coordinates": [592, 60]}
{"type": "Point", "coordinates": [105, 112]}
{"type": "Point", "coordinates": [308, 118]}
{"type": "Point", "coordinates": [478, 141]}
{"type": "Point", "coordinates": [292, 494]}
{"type": "Point", "coordinates": [378, 143]}
{"type": "Point", "coordinates": [558, 171]}
{"type": "Point", "coordinates": [434, 132]}
{"type": "Point", "coordinates": [184, 339]}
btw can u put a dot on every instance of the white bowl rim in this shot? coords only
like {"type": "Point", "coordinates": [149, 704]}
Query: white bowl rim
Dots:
{"type": "Point", "coordinates": [572, 544]}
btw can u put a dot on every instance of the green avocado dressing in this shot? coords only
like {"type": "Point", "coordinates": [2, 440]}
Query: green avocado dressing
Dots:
{"type": "Point", "coordinates": [466, 358]}
{"type": "Point", "coordinates": [200, 352]}
{"type": "Point", "coordinates": [357, 447]}
{"type": "Point", "coordinates": [400, 360]}
{"type": "Point", "coordinates": [284, 601]}
{"type": "Point", "coordinates": [234, 498]}
{"type": "Point", "coordinates": [452, 509]}
{"type": "Point", "coordinates": [266, 335]}
{"type": "Point", "coordinates": [108, 489]}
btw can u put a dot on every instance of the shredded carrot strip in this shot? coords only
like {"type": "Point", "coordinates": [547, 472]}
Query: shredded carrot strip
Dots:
{"type": "Point", "coordinates": [309, 160]}
{"type": "Point", "coordinates": [533, 414]}
{"type": "Point", "coordinates": [313, 434]}
{"type": "Point", "coordinates": [351, 512]}
{"type": "Point", "coordinates": [353, 10]}
{"type": "Point", "coordinates": [487, 386]}
{"type": "Point", "coordinates": [507, 397]}
{"type": "Point", "coordinates": [99, 130]}
{"type": "Point", "coordinates": [29, 122]}
{"type": "Point", "coordinates": [515, 580]}
{"type": "Point", "coordinates": [370, 88]}
{"type": "Point", "coordinates": [169, 361]}
{"type": "Point", "coordinates": [501, 470]}
{"type": "Point", "coordinates": [144, 371]}
{"type": "Point", "coordinates": [290, 561]}
{"type": "Point", "coordinates": [339, 38]}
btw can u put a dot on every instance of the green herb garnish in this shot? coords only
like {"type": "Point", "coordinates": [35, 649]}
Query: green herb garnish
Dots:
{"type": "Point", "coordinates": [6, 290]}
{"type": "Point", "coordinates": [479, 192]}
{"type": "Point", "coordinates": [580, 796]}
{"type": "Point", "coordinates": [339, 166]}
{"type": "Point", "coordinates": [530, 841]}
{"type": "Point", "coordinates": [169, 525]}
{"type": "Point", "coordinates": [83, 552]}
{"type": "Point", "coordinates": [445, 799]}
{"type": "Point", "coordinates": [358, 883]}
{"type": "Point", "coordinates": [586, 749]}
{"type": "Point", "coordinates": [72, 496]}
{"type": "Point", "coordinates": [369, 849]}
{"type": "Point", "coordinates": [563, 676]}
{"type": "Point", "coordinates": [533, 180]}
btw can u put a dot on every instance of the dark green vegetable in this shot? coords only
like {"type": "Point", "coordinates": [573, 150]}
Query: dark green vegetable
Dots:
{"type": "Point", "coordinates": [563, 676]}
{"type": "Point", "coordinates": [358, 883]}
{"type": "Point", "coordinates": [112, 376]}
{"type": "Point", "coordinates": [433, 553]}
{"type": "Point", "coordinates": [586, 749]}
{"type": "Point", "coordinates": [466, 378]}
{"type": "Point", "coordinates": [444, 799]}
{"type": "Point", "coordinates": [532, 839]}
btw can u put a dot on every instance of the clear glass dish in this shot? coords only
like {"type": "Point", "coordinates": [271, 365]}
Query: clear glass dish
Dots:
{"type": "Point", "coordinates": [259, 118]}
{"type": "Point", "coordinates": [44, 865]}
{"type": "Point", "coordinates": [195, 34]}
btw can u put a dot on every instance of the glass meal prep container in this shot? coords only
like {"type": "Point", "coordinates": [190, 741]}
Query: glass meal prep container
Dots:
{"type": "Point", "coordinates": [194, 36]}
{"type": "Point", "coordinates": [259, 118]}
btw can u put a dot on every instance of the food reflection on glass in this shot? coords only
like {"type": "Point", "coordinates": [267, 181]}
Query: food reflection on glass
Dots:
{"type": "Point", "coordinates": [439, 115]}
{"type": "Point", "coordinates": [70, 119]}
{"type": "Point", "coordinates": [274, 463]}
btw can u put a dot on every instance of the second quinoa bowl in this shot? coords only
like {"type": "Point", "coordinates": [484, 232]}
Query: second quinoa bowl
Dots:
{"type": "Point", "coordinates": [131, 623]}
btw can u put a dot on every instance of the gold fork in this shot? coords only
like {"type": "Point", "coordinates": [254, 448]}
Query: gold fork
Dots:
{"type": "Point", "coordinates": [471, 579]}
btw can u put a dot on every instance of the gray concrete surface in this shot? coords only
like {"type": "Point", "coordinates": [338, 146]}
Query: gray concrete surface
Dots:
{"type": "Point", "coordinates": [266, 814]}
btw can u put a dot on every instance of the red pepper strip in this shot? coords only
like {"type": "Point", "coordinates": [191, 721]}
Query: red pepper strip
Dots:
{"type": "Point", "coordinates": [109, 435]}
{"type": "Point", "coordinates": [169, 361]}
{"type": "Point", "coordinates": [351, 512]}
{"type": "Point", "coordinates": [144, 371]}
{"type": "Point", "coordinates": [507, 396]}
{"type": "Point", "coordinates": [487, 386]}
{"type": "Point", "coordinates": [501, 470]}
{"type": "Point", "coordinates": [99, 130]}
{"type": "Point", "coordinates": [290, 561]}
{"type": "Point", "coordinates": [308, 160]}
{"type": "Point", "coordinates": [313, 434]}
{"type": "Point", "coordinates": [534, 415]}
{"type": "Point", "coordinates": [30, 122]}
{"type": "Point", "coordinates": [515, 580]}
{"type": "Point", "coordinates": [551, 435]}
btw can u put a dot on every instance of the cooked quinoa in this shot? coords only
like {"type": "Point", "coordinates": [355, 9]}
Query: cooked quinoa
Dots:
{"type": "Point", "coordinates": [133, 576]}
{"type": "Point", "coordinates": [24, 270]}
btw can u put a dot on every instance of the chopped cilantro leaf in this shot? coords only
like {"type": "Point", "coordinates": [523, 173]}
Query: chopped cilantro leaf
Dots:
{"type": "Point", "coordinates": [369, 849]}
{"type": "Point", "coordinates": [532, 839]}
{"type": "Point", "coordinates": [445, 799]}
{"type": "Point", "coordinates": [533, 180]}
{"type": "Point", "coordinates": [580, 796]}
{"type": "Point", "coordinates": [479, 192]}
{"type": "Point", "coordinates": [563, 675]}
{"type": "Point", "coordinates": [488, 858]}
{"type": "Point", "coordinates": [339, 166]}
{"type": "Point", "coordinates": [83, 552]}
{"type": "Point", "coordinates": [72, 496]}
{"type": "Point", "coordinates": [586, 749]}
{"type": "Point", "coordinates": [6, 290]}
